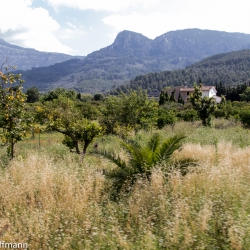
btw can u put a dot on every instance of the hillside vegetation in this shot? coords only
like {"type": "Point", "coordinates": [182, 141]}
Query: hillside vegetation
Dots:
{"type": "Point", "coordinates": [133, 54]}
{"type": "Point", "coordinates": [25, 58]}
{"type": "Point", "coordinates": [229, 68]}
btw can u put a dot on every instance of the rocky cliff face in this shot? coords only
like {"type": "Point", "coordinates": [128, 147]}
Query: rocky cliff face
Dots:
{"type": "Point", "coordinates": [131, 43]}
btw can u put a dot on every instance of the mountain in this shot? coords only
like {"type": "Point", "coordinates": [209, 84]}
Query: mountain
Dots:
{"type": "Point", "coordinates": [24, 58]}
{"type": "Point", "coordinates": [228, 68]}
{"type": "Point", "coordinates": [133, 54]}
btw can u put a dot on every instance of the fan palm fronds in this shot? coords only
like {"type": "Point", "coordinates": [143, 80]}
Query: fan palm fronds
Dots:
{"type": "Point", "coordinates": [143, 158]}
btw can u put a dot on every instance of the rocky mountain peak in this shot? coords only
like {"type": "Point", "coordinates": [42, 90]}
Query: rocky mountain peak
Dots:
{"type": "Point", "coordinates": [131, 42]}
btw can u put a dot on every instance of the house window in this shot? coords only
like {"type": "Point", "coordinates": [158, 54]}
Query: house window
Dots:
{"type": "Point", "coordinates": [187, 93]}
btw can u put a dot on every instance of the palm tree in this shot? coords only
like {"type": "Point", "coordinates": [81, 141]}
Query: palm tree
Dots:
{"type": "Point", "coordinates": [143, 158]}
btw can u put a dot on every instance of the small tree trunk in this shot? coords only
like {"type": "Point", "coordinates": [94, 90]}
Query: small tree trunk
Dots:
{"type": "Point", "coordinates": [77, 147]}
{"type": "Point", "coordinates": [86, 144]}
{"type": "Point", "coordinates": [12, 148]}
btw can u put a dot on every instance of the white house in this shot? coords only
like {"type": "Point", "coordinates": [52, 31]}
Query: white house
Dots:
{"type": "Point", "coordinates": [184, 92]}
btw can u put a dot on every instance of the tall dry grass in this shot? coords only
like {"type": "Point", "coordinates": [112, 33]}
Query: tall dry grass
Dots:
{"type": "Point", "coordinates": [59, 203]}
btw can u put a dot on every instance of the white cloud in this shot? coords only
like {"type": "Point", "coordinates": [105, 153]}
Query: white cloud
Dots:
{"type": "Point", "coordinates": [101, 5]}
{"type": "Point", "coordinates": [30, 27]}
{"type": "Point", "coordinates": [22, 24]}
{"type": "Point", "coordinates": [149, 25]}
{"type": "Point", "coordinates": [71, 32]}
{"type": "Point", "coordinates": [224, 15]}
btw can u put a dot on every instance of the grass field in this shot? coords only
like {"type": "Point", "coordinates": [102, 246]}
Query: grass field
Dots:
{"type": "Point", "coordinates": [50, 199]}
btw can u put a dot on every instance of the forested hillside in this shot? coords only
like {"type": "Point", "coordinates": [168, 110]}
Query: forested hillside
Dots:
{"type": "Point", "coordinates": [133, 54]}
{"type": "Point", "coordinates": [228, 68]}
{"type": "Point", "coordinates": [25, 58]}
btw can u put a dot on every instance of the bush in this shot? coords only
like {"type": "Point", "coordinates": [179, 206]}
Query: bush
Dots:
{"type": "Point", "coordinates": [165, 117]}
{"type": "Point", "coordinates": [245, 118]}
{"type": "Point", "coordinates": [219, 113]}
{"type": "Point", "coordinates": [189, 115]}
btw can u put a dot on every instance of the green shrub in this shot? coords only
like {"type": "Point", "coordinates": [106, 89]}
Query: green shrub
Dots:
{"type": "Point", "coordinates": [189, 115]}
{"type": "Point", "coordinates": [245, 118]}
{"type": "Point", "coordinates": [165, 117]}
{"type": "Point", "coordinates": [219, 113]}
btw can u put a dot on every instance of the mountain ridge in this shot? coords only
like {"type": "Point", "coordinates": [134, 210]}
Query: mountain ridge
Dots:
{"type": "Point", "coordinates": [133, 54]}
{"type": "Point", "coordinates": [17, 55]}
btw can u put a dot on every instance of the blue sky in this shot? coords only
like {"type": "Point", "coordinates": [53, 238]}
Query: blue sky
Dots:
{"type": "Point", "coordinates": [79, 27]}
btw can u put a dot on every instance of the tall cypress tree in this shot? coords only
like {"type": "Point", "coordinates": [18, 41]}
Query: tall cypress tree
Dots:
{"type": "Point", "coordinates": [162, 98]}
{"type": "Point", "coordinates": [172, 99]}
{"type": "Point", "coordinates": [180, 100]}
{"type": "Point", "coordinates": [167, 98]}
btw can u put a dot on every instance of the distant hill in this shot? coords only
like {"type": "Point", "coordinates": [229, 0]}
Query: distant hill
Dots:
{"type": "Point", "coordinates": [24, 58]}
{"type": "Point", "coordinates": [133, 54]}
{"type": "Point", "coordinates": [228, 68]}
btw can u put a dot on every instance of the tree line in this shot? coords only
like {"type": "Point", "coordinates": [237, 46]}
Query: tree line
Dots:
{"type": "Point", "coordinates": [82, 118]}
{"type": "Point", "coordinates": [230, 69]}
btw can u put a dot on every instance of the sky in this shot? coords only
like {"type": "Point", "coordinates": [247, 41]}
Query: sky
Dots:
{"type": "Point", "coordinates": [79, 27]}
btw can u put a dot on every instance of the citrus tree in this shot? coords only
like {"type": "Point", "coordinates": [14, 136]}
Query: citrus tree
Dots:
{"type": "Point", "coordinates": [64, 117]}
{"type": "Point", "coordinates": [12, 101]}
{"type": "Point", "coordinates": [132, 110]}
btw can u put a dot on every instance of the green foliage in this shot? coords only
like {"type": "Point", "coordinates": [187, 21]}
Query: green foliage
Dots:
{"type": "Point", "coordinates": [189, 115]}
{"type": "Point", "coordinates": [89, 110]}
{"type": "Point", "coordinates": [12, 109]}
{"type": "Point", "coordinates": [245, 117]}
{"type": "Point", "coordinates": [162, 98]}
{"type": "Point", "coordinates": [142, 158]}
{"type": "Point", "coordinates": [32, 94]}
{"type": "Point", "coordinates": [205, 106]}
{"type": "Point", "coordinates": [165, 117]}
{"type": "Point", "coordinates": [133, 110]}
{"type": "Point", "coordinates": [246, 95]}
{"type": "Point", "coordinates": [180, 100]}
{"type": "Point", "coordinates": [165, 98]}
{"type": "Point", "coordinates": [54, 94]}
{"type": "Point", "coordinates": [232, 69]}
{"type": "Point", "coordinates": [82, 132]}
{"type": "Point", "coordinates": [219, 113]}
{"type": "Point", "coordinates": [87, 98]}
{"type": "Point", "coordinates": [78, 96]}
{"type": "Point", "coordinates": [233, 93]}
{"type": "Point", "coordinates": [64, 117]}
{"type": "Point", "coordinates": [172, 99]}
{"type": "Point", "coordinates": [33, 119]}
{"type": "Point", "coordinates": [98, 97]}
